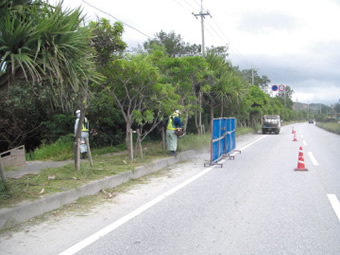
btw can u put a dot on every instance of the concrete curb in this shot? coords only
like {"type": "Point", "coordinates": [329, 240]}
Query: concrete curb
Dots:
{"type": "Point", "coordinates": [24, 211]}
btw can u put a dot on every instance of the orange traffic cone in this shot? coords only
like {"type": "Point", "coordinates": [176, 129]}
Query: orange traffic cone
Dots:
{"type": "Point", "coordinates": [295, 139]}
{"type": "Point", "coordinates": [301, 162]}
{"type": "Point", "coordinates": [300, 152]}
{"type": "Point", "coordinates": [293, 131]}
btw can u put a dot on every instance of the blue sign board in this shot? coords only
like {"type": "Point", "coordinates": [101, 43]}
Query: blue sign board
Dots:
{"type": "Point", "coordinates": [223, 138]}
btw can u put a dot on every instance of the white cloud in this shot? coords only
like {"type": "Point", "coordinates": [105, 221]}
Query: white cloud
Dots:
{"type": "Point", "coordinates": [291, 42]}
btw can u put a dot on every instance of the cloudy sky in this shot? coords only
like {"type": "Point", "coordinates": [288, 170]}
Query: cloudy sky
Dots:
{"type": "Point", "coordinates": [293, 42]}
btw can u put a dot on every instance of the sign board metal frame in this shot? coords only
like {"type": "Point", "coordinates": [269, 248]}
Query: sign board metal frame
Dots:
{"type": "Point", "coordinates": [223, 140]}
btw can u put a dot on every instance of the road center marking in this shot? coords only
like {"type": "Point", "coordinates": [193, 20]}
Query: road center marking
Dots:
{"type": "Point", "coordinates": [109, 228]}
{"type": "Point", "coordinates": [335, 204]}
{"type": "Point", "coordinates": [312, 158]}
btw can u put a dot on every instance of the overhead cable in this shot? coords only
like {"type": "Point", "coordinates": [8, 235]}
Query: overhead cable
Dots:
{"type": "Point", "coordinates": [94, 7]}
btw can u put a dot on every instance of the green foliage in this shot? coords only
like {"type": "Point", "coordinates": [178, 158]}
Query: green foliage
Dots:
{"type": "Point", "coordinates": [46, 45]}
{"type": "Point", "coordinates": [106, 119]}
{"type": "Point", "coordinates": [107, 41]}
{"type": "Point", "coordinates": [194, 142]}
{"type": "Point", "coordinates": [53, 180]}
{"type": "Point", "coordinates": [285, 97]}
{"type": "Point", "coordinates": [173, 44]}
{"type": "Point", "coordinates": [333, 127]}
{"type": "Point", "coordinates": [245, 130]}
{"type": "Point", "coordinates": [49, 61]}
{"type": "Point", "coordinates": [58, 125]}
{"type": "Point", "coordinates": [62, 149]}
{"type": "Point", "coordinates": [22, 110]}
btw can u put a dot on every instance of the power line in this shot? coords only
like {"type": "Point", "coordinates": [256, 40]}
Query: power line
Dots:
{"type": "Point", "coordinates": [94, 7]}
{"type": "Point", "coordinates": [220, 34]}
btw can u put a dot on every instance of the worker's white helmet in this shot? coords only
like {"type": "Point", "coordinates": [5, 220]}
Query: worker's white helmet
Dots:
{"type": "Point", "coordinates": [78, 113]}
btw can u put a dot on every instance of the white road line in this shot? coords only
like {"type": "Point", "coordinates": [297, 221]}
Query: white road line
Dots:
{"type": "Point", "coordinates": [91, 239]}
{"type": "Point", "coordinates": [312, 158]}
{"type": "Point", "coordinates": [305, 143]}
{"type": "Point", "coordinates": [104, 231]}
{"type": "Point", "coordinates": [335, 204]}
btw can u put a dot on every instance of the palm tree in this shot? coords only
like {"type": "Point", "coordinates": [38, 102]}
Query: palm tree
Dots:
{"type": "Point", "coordinates": [46, 45]}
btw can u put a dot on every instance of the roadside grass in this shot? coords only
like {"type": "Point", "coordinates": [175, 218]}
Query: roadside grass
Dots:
{"type": "Point", "coordinates": [54, 180]}
{"type": "Point", "coordinates": [106, 162]}
{"type": "Point", "coordinates": [62, 149]}
{"type": "Point", "coordinates": [244, 130]}
{"type": "Point", "coordinates": [83, 205]}
{"type": "Point", "coordinates": [333, 127]}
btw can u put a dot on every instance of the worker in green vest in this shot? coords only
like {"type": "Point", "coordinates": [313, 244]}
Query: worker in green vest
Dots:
{"type": "Point", "coordinates": [84, 133]}
{"type": "Point", "coordinates": [174, 128]}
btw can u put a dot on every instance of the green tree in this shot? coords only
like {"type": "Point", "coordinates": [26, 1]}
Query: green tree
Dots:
{"type": "Point", "coordinates": [186, 74]}
{"type": "Point", "coordinates": [46, 45]}
{"type": "Point", "coordinates": [285, 97]}
{"type": "Point", "coordinates": [107, 41]}
{"type": "Point", "coordinates": [225, 86]}
{"type": "Point", "coordinates": [253, 78]}
{"type": "Point", "coordinates": [45, 56]}
{"type": "Point", "coordinates": [258, 103]}
{"type": "Point", "coordinates": [135, 86]}
{"type": "Point", "coordinates": [173, 43]}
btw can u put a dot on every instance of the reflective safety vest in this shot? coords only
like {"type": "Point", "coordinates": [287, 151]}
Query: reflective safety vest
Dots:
{"type": "Point", "coordinates": [85, 126]}
{"type": "Point", "coordinates": [171, 125]}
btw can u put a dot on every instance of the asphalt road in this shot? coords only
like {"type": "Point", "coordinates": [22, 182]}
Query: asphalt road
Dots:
{"type": "Point", "coordinates": [255, 204]}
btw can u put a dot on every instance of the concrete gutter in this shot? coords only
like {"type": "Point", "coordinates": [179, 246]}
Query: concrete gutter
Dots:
{"type": "Point", "coordinates": [24, 211]}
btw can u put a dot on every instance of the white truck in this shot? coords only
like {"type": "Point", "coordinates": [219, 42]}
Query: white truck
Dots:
{"type": "Point", "coordinates": [271, 124]}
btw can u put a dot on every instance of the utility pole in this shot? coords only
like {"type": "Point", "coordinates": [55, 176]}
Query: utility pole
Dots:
{"type": "Point", "coordinates": [202, 14]}
{"type": "Point", "coordinates": [252, 75]}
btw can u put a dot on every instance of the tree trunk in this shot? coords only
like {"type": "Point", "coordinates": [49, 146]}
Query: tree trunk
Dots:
{"type": "Point", "coordinates": [222, 106]}
{"type": "Point", "coordinates": [196, 122]}
{"type": "Point", "coordinates": [211, 117]}
{"type": "Point", "coordinates": [128, 139]}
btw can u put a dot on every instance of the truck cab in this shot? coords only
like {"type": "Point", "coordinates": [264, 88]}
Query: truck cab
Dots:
{"type": "Point", "coordinates": [271, 124]}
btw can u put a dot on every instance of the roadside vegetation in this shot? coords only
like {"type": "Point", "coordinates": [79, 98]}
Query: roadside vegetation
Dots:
{"type": "Point", "coordinates": [53, 63]}
{"type": "Point", "coordinates": [331, 126]}
{"type": "Point", "coordinates": [107, 162]}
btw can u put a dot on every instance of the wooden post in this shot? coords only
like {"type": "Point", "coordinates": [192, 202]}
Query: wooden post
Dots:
{"type": "Point", "coordinates": [89, 151]}
{"type": "Point", "coordinates": [131, 145]}
{"type": "Point", "coordinates": [139, 144]}
{"type": "Point", "coordinates": [77, 154]}
{"type": "Point", "coordinates": [200, 113]}
{"type": "Point", "coordinates": [2, 172]}
{"type": "Point", "coordinates": [163, 139]}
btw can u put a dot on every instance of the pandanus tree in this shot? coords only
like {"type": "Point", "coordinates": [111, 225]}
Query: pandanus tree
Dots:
{"type": "Point", "coordinates": [42, 44]}
{"type": "Point", "coordinates": [45, 49]}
